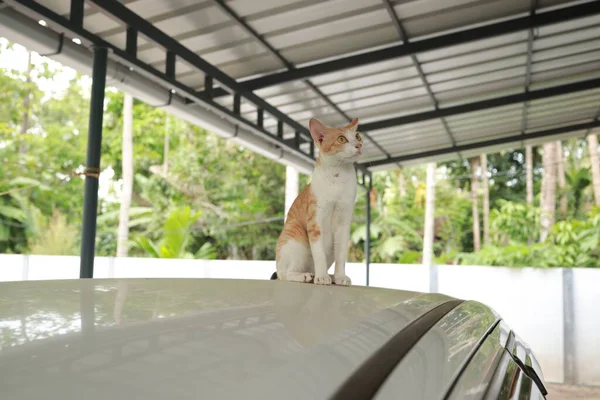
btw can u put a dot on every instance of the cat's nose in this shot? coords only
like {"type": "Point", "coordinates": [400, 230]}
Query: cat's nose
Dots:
{"type": "Point", "coordinates": [358, 146]}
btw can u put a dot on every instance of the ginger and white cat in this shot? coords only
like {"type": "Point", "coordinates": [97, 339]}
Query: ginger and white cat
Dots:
{"type": "Point", "coordinates": [317, 229]}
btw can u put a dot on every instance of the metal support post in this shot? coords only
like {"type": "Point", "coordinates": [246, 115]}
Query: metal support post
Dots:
{"type": "Point", "coordinates": [92, 170]}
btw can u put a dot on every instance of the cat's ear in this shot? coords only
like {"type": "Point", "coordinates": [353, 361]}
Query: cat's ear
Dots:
{"type": "Point", "coordinates": [317, 130]}
{"type": "Point", "coordinates": [353, 125]}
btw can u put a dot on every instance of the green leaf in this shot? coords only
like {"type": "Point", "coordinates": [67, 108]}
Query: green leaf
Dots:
{"type": "Point", "coordinates": [113, 216]}
{"type": "Point", "coordinates": [206, 252]}
{"type": "Point", "coordinates": [360, 233]}
{"type": "Point", "coordinates": [13, 213]}
{"type": "Point", "coordinates": [147, 245]}
{"type": "Point", "coordinates": [392, 245]}
{"type": "Point", "coordinates": [4, 232]}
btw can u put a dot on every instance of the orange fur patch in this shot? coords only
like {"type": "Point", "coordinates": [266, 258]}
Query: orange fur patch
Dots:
{"type": "Point", "coordinates": [301, 224]}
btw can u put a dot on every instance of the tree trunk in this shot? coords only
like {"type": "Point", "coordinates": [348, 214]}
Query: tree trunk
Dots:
{"type": "Point", "coordinates": [529, 169]}
{"type": "Point", "coordinates": [548, 203]}
{"type": "Point", "coordinates": [562, 181]}
{"type": "Point", "coordinates": [486, 200]}
{"type": "Point", "coordinates": [291, 187]}
{"type": "Point", "coordinates": [429, 222]}
{"type": "Point", "coordinates": [593, 148]}
{"type": "Point", "coordinates": [26, 105]}
{"type": "Point", "coordinates": [474, 196]}
{"type": "Point", "coordinates": [127, 166]}
{"type": "Point", "coordinates": [401, 184]}
{"type": "Point", "coordinates": [166, 147]}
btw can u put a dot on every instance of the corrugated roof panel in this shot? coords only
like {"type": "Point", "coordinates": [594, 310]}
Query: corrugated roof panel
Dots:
{"type": "Point", "coordinates": [568, 26]}
{"type": "Point", "coordinates": [483, 114]}
{"type": "Point", "coordinates": [414, 9]}
{"type": "Point", "coordinates": [477, 80]}
{"type": "Point", "coordinates": [540, 126]}
{"type": "Point", "coordinates": [563, 39]}
{"type": "Point", "coordinates": [400, 149]}
{"type": "Point", "coordinates": [402, 77]}
{"type": "Point", "coordinates": [466, 14]}
{"type": "Point", "coordinates": [467, 60]}
{"type": "Point", "coordinates": [329, 28]}
{"type": "Point", "coordinates": [563, 62]}
{"type": "Point", "coordinates": [471, 94]}
{"type": "Point", "coordinates": [563, 51]}
{"type": "Point", "coordinates": [496, 133]}
{"type": "Point", "coordinates": [266, 8]}
{"type": "Point", "coordinates": [379, 90]}
{"type": "Point", "coordinates": [411, 128]}
{"type": "Point", "coordinates": [439, 136]}
{"type": "Point", "coordinates": [587, 95]}
{"type": "Point", "coordinates": [311, 31]}
{"type": "Point", "coordinates": [341, 44]}
{"type": "Point", "coordinates": [477, 69]}
{"type": "Point", "coordinates": [374, 69]}
{"type": "Point", "coordinates": [561, 76]}
{"type": "Point", "coordinates": [568, 114]}
{"type": "Point", "coordinates": [391, 110]}
{"type": "Point", "coordinates": [402, 135]}
{"type": "Point", "coordinates": [513, 118]}
{"type": "Point", "coordinates": [207, 41]}
{"type": "Point", "coordinates": [483, 120]}
{"type": "Point", "coordinates": [304, 13]}
{"type": "Point", "coordinates": [472, 47]}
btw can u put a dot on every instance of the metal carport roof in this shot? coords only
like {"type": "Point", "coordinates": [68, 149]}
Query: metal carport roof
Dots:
{"type": "Point", "coordinates": [429, 80]}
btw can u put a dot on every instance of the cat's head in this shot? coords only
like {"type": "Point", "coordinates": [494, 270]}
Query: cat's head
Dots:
{"type": "Point", "coordinates": [343, 145]}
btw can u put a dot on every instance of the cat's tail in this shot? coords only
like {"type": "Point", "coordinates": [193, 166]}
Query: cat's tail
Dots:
{"type": "Point", "coordinates": [274, 276]}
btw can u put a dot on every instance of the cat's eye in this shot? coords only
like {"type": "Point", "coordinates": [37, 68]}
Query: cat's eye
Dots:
{"type": "Point", "coordinates": [358, 136]}
{"type": "Point", "coordinates": [342, 139]}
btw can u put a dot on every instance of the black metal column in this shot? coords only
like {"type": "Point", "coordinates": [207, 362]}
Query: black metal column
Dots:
{"type": "Point", "coordinates": [368, 188]}
{"type": "Point", "coordinates": [90, 202]}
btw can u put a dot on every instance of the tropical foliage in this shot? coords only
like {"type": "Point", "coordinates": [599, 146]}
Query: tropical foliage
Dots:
{"type": "Point", "coordinates": [198, 196]}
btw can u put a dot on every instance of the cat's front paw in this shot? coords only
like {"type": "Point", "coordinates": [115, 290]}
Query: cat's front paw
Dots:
{"type": "Point", "coordinates": [342, 280]}
{"type": "Point", "coordinates": [323, 280]}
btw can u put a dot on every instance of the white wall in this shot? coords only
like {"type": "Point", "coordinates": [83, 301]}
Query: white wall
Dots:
{"type": "Point", "coordinates": [529, 299]}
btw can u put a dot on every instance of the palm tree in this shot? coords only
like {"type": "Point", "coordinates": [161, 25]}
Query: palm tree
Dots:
{"type": "Point", "coordinates": [529, 169]}
{"type": "Point", "coordinates": [562, 182]}
{"type": "Point", "coordinates": [548, 203]}
{"type": "Point", "coordinates": [127, 191]}
{"type": "Point", "coordinates": [486, 200]}
{"type": "Point", "coordinates": [474, 195]}
{"type": "Point", "coordinates": [176, 236]}
{"type": "Point", "coordinates": [579, 180]}
{"type": "Point", "coordinates": [26, 103]}
{"type": "Point", "coordinates": [429, 216]}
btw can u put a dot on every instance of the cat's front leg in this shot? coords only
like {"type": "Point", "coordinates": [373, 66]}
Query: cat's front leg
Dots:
{"type": "Point", "coordinates": [340, 239]}
{"type": "Point", "coordinates": [318, 252]}
{"type": "Point", "coordinates": [317, 248]}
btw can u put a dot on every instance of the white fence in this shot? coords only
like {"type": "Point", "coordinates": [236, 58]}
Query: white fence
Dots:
{"type": "Point", "coordinates": [556, 311]}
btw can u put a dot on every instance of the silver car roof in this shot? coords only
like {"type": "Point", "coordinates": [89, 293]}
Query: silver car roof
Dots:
{"type": "Point", "coordinates": [204, 338]}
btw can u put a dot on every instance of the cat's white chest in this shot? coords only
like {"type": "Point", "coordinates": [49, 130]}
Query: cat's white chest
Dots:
{"type": "Point", "coordinates": [337, 192]}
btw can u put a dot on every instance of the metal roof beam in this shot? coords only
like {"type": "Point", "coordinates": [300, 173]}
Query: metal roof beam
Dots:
{"type": "Point", "coordinates": [486, 143]}
{"type": "Point", "coordinates": [404, 37]}
{"type": "Point", "coordinates": [138, 25]}
{"type": "Point", "coordinates": [530, 37]}
{"type": "Point", "coordinates": [434, 43]}
{"type": "Point", "coordinates": [485, 104]}
{"type": "Point", "coordinates": [145, 27]}
{"type": "Point", "coordinates": [290, 66]}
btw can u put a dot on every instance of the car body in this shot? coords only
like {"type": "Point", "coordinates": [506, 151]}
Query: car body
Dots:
{"type": "Point", "coordinates": [252, 339]}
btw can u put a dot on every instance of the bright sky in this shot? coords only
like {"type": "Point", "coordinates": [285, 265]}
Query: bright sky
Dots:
{"type": "Point", "coordinates": [16, 59]}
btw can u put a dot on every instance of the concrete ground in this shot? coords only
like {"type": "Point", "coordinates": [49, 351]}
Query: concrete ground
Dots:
{"type": "Point", "coordinates": [565, 392]}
